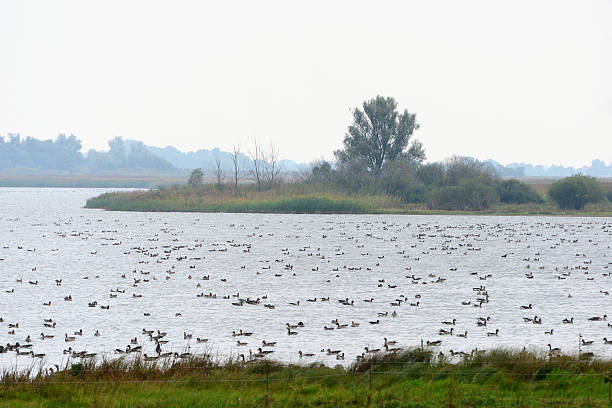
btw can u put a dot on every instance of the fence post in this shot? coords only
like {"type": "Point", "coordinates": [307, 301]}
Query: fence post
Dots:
{"type": "Point", "coordinates": [450, 392]}
{"type": "Point", "coordinates": [370, 372]}
{"type": "Point", "coordinates": [267, 382]}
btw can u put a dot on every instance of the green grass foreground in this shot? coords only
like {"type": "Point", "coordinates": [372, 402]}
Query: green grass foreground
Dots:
{"type": "Point", "coordinates": [411, 378]}
{"type": "Point", "coordinates": [298, 198]}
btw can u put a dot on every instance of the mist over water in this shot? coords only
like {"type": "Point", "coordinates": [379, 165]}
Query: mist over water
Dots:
{"type": "Point", "coordinates": [438, 261]}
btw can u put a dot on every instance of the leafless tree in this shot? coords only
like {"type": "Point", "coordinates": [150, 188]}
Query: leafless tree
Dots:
{"type": "Point", "coordinates": [235, 158]}
{"type": "Point", "coordinates": [257, 165]}
{"type": "Point", "coordinates": [271, 164]}
{"type": "Point", "coordinates": [220, 173]}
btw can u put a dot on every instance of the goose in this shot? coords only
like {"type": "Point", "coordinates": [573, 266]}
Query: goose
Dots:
{"type": "Point", "coordinates": [391, 349]}
{"type": "Point", "coordinates": [149, 358]}
{"type": "Point", "coordinates": [264, 351]}
{"type": "Point", "coordinates": [46, 336]}
{"type": "Point", "coordinates": [245, 333]}
{"type": "Point", "coordinates": [598, 318]}
{"type": "Point", "coordinates": [606, 341]}
{"type": "Point", "coordinates": [79, 333]}
{"type": "Point", "coordinates": [553, 350]}
{"type": "Point", "coordinates": [527, 307]}
{"type": "Point", "coordinates": [340, 356]}
{"type": "Point", "coordinates": [417, 304]}
{"type": "Point", "coordinates": [354, 324]}
{"type": "Point", "coordinates": [375, 322]}
{"type": "Point", "coordinates": [390, 342]}
{"type": "Point", "coordinates": [305, 354]}
{"type": "Point", "coordinates": [587, 342]}
{"type": "Point", "coordinates": [495, 333]}
{"type": "Point", "coordinates": [291, 333]}
{"type": "Point", "coordinates": [51, 325]}
{"type": "Point", "coordinates": [550, 332]}
{"type": "Point", "coordinates": [241, 343]}
{"type": "Point", "coordinates": [268, 343]}
{"type": "Point", "coordinates": [295, 303]}
{"type": "Point", "coordinates": [199, 340]}
{"type": "Point", "coordinates": [187, 336]}
{"type": "Point", "coordinates": [68, 338]}
{"type": "Point", "coordinates": [443, 332]}
{"type": "Point", "coordinates": [434, 343]}
{"type": "Point", "coordinates": [131, 349]}
{"type": "Point", "coordinates": [464, 335]}
{"type": "Point", "coordinates": [450, 323]}
{"type": "Point", "coordinates": [568, 321]}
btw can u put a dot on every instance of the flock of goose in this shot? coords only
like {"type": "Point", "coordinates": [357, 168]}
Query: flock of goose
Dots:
{"type": "Point", "coordinates": [79, 283]}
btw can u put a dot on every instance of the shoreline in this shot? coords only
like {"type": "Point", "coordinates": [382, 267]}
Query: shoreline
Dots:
{"type": "Point", "coordinates": [155, 201]}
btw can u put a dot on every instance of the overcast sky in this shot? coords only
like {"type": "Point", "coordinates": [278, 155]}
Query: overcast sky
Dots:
{"type": "Point", "coordinates": [513, 81]}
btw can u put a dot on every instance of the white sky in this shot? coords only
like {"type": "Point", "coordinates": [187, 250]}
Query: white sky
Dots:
{"type": "Point", "coordinates": [513, 81]}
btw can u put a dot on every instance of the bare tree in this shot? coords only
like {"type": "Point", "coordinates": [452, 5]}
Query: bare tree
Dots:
{"type": "Point", "coordinates": [257, 165]}
{"type": "Point", "coordinates": [220, 173]}
{"type": "Point", "coordinates": [271, 164]}
{"type": "Point", "coordinates": [235, 158]}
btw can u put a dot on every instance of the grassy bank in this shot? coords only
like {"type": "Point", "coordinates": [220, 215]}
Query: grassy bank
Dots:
{"type": "Point", "coordinates": [302, 199]}
{"type": "Point", "coordinates": [411, 378]}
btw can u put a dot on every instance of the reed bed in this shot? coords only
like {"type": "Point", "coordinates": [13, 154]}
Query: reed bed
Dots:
{"type": "Point", "coordinates": [302, 198]}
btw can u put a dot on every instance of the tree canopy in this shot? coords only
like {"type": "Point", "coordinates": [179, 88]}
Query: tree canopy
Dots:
{"type": "Point", "coordinates": [575, 192]}
{"type": "Point", "coordinates": [379, 133]}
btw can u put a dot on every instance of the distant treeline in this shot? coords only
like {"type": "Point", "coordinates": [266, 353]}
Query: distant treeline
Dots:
{"type": "Point", "coordinates": [597, 169]}
{"type": "Point", "coordinates": [64, 155]}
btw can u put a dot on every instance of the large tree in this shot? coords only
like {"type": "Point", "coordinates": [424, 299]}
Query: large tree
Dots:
{"type": "Point", "coordinates": [379, 133]}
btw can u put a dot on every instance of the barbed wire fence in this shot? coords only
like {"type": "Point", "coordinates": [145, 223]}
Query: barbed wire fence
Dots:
{"type": "Point", "coordinates": [365, 374]}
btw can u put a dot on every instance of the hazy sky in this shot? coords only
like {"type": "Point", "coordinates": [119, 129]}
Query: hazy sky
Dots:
{"type": "Point", "coordinates": [514, 81]}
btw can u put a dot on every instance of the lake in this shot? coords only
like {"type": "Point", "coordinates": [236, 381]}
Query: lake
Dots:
{"type": "Point", "coordinates": [191, 274]}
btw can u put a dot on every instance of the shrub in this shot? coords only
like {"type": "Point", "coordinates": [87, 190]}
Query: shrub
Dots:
{"type": "Point", "coordinates": [575, 192]}
{"type": "Point", "coordinates": [470, 194]}
{"type": "Point", "coordinates": [398, 177]}
{"type": "Point", "coordinates": [431, 174]}
{"type": "Point", "coordinates": [516, 192]}
{"type": "Point", "coordinates": [609, 195]}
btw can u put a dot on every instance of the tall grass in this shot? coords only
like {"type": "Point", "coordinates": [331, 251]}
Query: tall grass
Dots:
{"type": "Point", "coordinates": [412, 377]}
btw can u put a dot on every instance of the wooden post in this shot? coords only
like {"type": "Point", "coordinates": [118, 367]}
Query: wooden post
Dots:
{"type": "Point", "coordinates": [450, 392]}
{"type": "Point", "coordinates": [267, 381]}
{"type": "Point", "coordinates": [370, 373]}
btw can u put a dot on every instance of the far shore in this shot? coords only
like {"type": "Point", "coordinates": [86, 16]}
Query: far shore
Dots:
{"type": "Point", "coordinates": [181, 199]}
